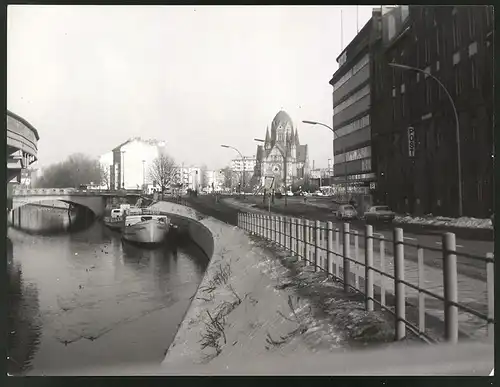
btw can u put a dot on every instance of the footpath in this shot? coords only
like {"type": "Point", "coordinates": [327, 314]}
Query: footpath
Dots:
{"type": "Point", "coordinates": [470, 291]}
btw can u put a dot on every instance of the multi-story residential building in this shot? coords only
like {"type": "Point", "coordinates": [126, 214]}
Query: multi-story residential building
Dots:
{"type": "Point", "coordinates": [414, 130]}
{"type": "Point", "coordinates": [129, 163]}
{"type": "Point", "coordinates": [246, 164]}
{"type": "Point", "coordinates": [351, 114]}
{"type": "Point", "coordinates": [215, 180]}
{"type": "Point", "coordinates": [189, 177]}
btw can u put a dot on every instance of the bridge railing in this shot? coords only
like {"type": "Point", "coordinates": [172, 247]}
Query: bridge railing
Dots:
{"type": "Point", "coordinates": [57, 191]}
{"type": "Point", "coordinates": [410, 292]}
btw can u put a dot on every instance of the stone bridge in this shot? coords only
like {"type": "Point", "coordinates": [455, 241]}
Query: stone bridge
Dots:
{"type": "Point", "coordinates": [22, 141]}
{"type": "Point", "coordinates": [96, 201]}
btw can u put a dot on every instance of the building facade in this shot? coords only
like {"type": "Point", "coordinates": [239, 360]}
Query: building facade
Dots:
{"type": "Point", "coordinates": [351, 114]}
{"type": "Point", "coordinates": [189, 177]}
{"type": "Point", "coordinates": [130, 162]}
{"type": "Point", "coordinates": [280, 145]}
{"type": "Point", "coordinates": [414, 130]}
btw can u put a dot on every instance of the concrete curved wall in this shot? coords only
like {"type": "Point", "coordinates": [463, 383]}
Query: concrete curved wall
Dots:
{"type": "Point", "coordinates": [188, 221]}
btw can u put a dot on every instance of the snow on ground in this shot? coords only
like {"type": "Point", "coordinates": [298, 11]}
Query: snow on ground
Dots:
{"type": "Point", "coordinates": [464, 222]}
{"type": "Point", "coordinates": [254, 301]}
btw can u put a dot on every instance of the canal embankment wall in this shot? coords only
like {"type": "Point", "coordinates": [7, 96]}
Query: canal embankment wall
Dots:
{"type": "Point", "coordinates": [252, 302]}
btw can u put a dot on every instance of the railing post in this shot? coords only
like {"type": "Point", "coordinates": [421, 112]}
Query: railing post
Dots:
{"type": "Point", "coordinates": [399, 287]}
{"type": "Point", "coordinates": [285, 233]}
{"type": "Point", "coordinates": [346, 255]}
{"type": "Point", "coordinates": [382, 269]}
{"type": "Point", "coordinates": [290, 232]}
{"type": "Point", "coordinates": [306, 241]}
{"type": "Point", "coordinates": [317, 261]}
{"type": "Point", "coordinates": [266, 226]}
{"type": "Point", "coordinates": [490, 285]}
{"type": "Point", "coordinates": [450, 287]}
{"type": "Point", "coordinates": [261, 221]}
{"type": "Point", "coordinates": [300, 249]}
{"type": "Point", "coordinates": [329, 247]}
{"type": "Point", "coordinates": [280, 231]}
{"type": "Point", "coordinates": [368, 267]}
{"type": "Point", "coordinates": [337, 250]}
{"type": "Point", "coordinates": [275, 229]}
{"type": "Point", "coordinates": [421, 285]}
{"type": "Point", "coordinates": [356, 258]}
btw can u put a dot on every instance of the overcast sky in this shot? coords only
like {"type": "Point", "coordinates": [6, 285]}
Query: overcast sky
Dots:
{"type": "Point", "coordinates": [90, 77]}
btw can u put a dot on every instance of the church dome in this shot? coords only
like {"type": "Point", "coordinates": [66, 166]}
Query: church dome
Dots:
{"type": "Point", "coordinates": [281, 118]}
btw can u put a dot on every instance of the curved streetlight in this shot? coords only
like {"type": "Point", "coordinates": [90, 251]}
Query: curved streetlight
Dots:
{"type": "Point", "coordinates": [243, 159]}
{"type": "Point", "coordinates": [457, 127]}
{"type": "Point", "coordinates": [335, 136]}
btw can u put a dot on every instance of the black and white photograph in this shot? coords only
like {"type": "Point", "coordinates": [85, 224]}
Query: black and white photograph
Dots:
{"type": "Point", "coordinates": [250, 190]}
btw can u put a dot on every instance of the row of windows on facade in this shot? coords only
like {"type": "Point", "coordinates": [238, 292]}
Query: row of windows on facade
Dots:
{"type": "Point", "coordinates": [353, 126]}
{"type": "Point", "coordinates": [351, 72]}
{"type": "Point", "coordinates": [356, 154]}
{"type": "Point", "coordinates": [363, 92]}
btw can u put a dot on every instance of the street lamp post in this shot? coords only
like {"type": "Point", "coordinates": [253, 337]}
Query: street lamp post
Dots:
{"type": "Point", "coordinates": [457, 127]}
{"type": "Point", "coordinates": [335, 136]}
{"type": "Point", "coordinates": [243, 160]}
{"type": "Point", "coordinates": [143, 175]}
{"type": "Point", "coordinates": [123, 169]}
{"type": "Point", "coordinates": [285, 162]}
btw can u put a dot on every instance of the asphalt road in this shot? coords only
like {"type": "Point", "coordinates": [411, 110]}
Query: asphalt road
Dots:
{"type": "Point", "coordinates": [426, 238]}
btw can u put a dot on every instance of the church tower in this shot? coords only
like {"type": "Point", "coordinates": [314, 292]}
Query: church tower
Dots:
{"type": "Point", "coordinates": [267, 143]}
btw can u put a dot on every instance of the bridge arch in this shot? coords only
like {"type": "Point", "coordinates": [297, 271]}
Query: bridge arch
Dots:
{"type": "Point", "coordinates": [94, 203]}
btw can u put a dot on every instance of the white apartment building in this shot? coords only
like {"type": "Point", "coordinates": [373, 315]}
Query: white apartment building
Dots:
{"type": "Point", "coordinates": [129, 163]}
{"type": "Point", "coordinates": [246, 164]}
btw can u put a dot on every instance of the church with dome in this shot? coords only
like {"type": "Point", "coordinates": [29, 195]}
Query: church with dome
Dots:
{"type": "Point", "coordinates": [281, 144]}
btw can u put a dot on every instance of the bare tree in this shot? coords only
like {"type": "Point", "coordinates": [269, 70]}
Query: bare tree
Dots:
{"type": "Point", "coordinates": [163, 170]}
{"type": "Point", "coordinates": [104, 174]}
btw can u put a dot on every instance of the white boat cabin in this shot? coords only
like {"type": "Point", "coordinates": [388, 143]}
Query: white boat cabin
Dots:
{"type": "Point", "coordinates": [132, 220]}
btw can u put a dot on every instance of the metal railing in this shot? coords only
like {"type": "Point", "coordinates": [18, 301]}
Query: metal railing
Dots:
{"type": "Point", "coordinates": [314, 243]}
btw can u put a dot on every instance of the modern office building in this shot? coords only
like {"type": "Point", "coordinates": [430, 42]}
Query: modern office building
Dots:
{"type": "Point", "coordinates": [414, 130]}
{"type": "Point", "coordinates": [351, 113]}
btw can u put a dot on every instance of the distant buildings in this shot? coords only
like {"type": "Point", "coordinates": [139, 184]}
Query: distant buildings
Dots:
{"type": "Point", "coordinates": [280, 145]}
{"type": "Point", "coordinates": [414, 142]}
{"type": "Point", "coordinates": [188, 177]}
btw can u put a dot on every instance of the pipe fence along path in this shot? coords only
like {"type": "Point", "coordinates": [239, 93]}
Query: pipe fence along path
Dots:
{"type": "Point", "coordinates": [412, 292]}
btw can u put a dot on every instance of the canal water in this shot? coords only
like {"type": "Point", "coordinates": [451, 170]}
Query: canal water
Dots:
{"type": "Point", "coordinates": [80, 298]}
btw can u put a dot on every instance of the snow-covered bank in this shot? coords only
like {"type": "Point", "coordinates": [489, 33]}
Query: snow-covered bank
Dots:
{"type": "Point", "coordinates": [253, 302]}
{"type": "Point", "coordinates": [441, 221]}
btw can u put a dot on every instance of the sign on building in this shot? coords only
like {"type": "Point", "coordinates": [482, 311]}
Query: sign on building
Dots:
{"type": "Point", "coordinates": [411, 141]}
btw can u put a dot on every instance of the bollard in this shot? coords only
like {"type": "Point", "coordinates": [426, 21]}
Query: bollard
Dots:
{"type": "Point", "coordinates": [329, 248]}
{"type": "Point", "coordinates": [368, 267]}
{"type": "Point", "coordinates": [346, 255]}
{"type": "Point", "coordinates": [337, 255]}
{"type": "Point", "coordinates": [300, 249]}
{"type": "Point", "coordinates": [399, 287]}
{"type": "Point", "coordinates": [306, 241]}
{"type": "Point", "coordinates": [290, 234]}
{"type": "Point", "coordinates": [421, 285]}
{"type": "Point", "coordinates": [490, 285]}
{"type": "Point", "coordinates": [450, 287]}
{"type": "Point", "coordinates": [356, 258]}
{"type": "Point", "coordinates": [317, 262]}
{"type": "Point", "coordinates": [382, 269]}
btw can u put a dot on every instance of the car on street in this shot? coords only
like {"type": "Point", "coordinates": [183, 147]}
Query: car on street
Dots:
{"type": "Point", "coordinates": [318, 193]}
{"type": "Point", "coordinates": [379, 214]}
{"type": "Point", "coordinates": [289, 193]}
{"type": "Point", "coordinates": [346, 211]}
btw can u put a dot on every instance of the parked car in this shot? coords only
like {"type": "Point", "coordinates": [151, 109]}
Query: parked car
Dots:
{"type": "Point", "coordinates": [379, 213]}
{"type": "Point", "coordinates": [289, 193]}
{"type": "Point", "coordinates": [346, 211]}
{"type": "Point", "coordinates": [318, 193]}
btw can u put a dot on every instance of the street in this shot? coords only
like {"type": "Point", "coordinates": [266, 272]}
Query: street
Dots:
{"type": "Point", "coordinates": [424, 238]}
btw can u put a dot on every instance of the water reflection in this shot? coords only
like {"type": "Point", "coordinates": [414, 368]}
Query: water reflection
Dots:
{"type": "Point", "coordinates": [50, 219]}
{"type": "Point", "coordinates": [24, 327]}
{"type": "Point", "coordinates": [101, 301]}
